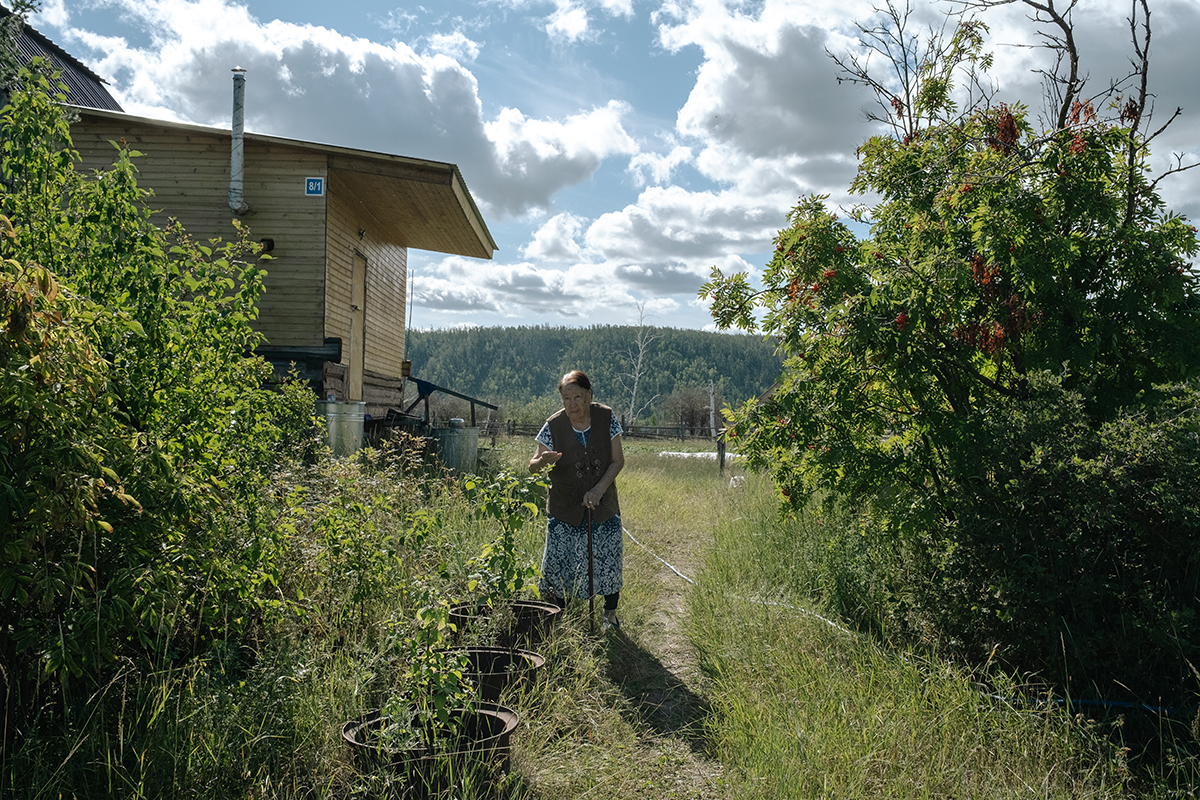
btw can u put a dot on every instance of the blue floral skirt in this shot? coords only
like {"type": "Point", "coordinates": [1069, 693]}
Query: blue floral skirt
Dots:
{"type": "Point", "coordinates": [564, 562]}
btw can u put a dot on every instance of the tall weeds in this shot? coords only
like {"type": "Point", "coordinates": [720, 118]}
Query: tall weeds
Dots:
{"type": "Point", "coordinates": [790, 704]}
{"type": "Point", "coordinates": [805, 707]}
{"type": "Point", "coordinates": [376, 550]}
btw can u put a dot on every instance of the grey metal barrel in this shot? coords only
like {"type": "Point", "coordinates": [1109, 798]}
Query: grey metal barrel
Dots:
{"type": "Point", "coordinates": [344, 421]}
{"type": "Point", "coordinates": [458, 446]}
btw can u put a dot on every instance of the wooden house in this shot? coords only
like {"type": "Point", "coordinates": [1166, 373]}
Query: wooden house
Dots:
{"type": "Point", "coordinates": [338, 224]}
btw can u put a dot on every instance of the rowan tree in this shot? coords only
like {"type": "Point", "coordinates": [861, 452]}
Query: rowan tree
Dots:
{"type": "Point", "coordinates": [1006, 267]}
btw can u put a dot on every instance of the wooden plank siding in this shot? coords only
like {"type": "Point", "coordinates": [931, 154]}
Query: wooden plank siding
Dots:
{"type": "Point", "coordinates": [189, 174]}
{"type": "Point", "coordinates": [387, 284]}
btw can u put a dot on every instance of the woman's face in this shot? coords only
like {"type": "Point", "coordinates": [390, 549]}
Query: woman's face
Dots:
{"type": "Point", "coordinates": [575, 400]}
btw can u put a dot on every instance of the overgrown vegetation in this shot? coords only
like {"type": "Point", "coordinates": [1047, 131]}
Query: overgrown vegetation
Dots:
{"type": "Point", "coordinates": [373, 554]}
{"type": "Point", "coordinates": [168, 526]}
{"type": "Point", "coordinates": [998, 381]}
{"type": "Point", "coordinates": [136, 435]}
{"type": "Point", "coordinates": [194, 596]}
{"type": "Point", "coordinates": [802, 707]}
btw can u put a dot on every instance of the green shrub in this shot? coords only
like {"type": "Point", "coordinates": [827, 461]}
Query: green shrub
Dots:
{"type": "Point", "coordinates": [1076, 548]}
{"type": "Point", "coordinates": [1071, 551]}
{"type": "Point", "coordinates": [1020, 511]}
{"type": "Point", "coordinates": [136, 433]}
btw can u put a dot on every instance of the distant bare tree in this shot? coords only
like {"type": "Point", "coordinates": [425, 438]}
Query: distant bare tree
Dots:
{"type": "Point", "coordinates": [690, 406]}
{"type": "Point", "coordinates": [639, 363]}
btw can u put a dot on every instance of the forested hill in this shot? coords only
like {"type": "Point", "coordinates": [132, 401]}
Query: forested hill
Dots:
{"type": "Point", "coordinates": [521, 365]}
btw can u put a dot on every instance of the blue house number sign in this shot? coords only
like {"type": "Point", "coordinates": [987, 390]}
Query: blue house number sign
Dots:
{"type": "Point", "coordinates": [314, 187]}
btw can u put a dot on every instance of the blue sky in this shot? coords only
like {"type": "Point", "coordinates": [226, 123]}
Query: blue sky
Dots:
{"type": "Point", "coordinates": [619, 149]}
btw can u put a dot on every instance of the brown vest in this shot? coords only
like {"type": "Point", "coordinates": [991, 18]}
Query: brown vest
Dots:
{"type": "Point", "coordinates": [581, 468]}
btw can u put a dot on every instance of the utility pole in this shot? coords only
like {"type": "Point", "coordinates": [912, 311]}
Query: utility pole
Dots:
{"type": "Point", "coordinates": [712, 409]}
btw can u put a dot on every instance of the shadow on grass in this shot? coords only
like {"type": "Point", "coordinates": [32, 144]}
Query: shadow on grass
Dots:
{"type": "Point", "coordinates": [657, 696]}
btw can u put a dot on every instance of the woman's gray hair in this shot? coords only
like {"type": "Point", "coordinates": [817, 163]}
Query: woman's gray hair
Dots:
{"type": "Point", "coordinates": [577, 377]}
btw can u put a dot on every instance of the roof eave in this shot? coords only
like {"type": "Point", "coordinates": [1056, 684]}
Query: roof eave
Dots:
{"type": "Point", "coordinates": [381, 174]}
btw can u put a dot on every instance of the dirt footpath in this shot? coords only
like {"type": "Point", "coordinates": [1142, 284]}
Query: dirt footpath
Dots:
{"type": "Point", "coordinates": [654, 664]}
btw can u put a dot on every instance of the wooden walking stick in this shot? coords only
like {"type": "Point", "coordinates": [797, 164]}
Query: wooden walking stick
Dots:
{"type": "Point", "coordinates": [591, 581]}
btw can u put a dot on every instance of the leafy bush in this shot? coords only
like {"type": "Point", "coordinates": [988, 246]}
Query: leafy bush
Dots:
{"type": "Point", "coordinates": [508, 501]}
{"type": "Point", "coordinates": [167, 524]}
{"type": "Point", "coordinates": [136, 432]}
{"type": "Point", "coordinates": [1077, 548]}
{"type": "Point", "coordinates": [372, 551]}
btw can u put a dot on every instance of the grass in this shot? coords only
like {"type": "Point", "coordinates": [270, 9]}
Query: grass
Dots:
{"type": "Point", "coordinates": [801, 710]}
{"type": "Point", "coordinates": [804, 708]}
{"type": "Point", "coordinates": [707, 692]}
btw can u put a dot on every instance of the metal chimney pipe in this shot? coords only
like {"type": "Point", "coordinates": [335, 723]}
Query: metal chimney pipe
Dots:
{"type": "Point", "coordinates": [237, 159]}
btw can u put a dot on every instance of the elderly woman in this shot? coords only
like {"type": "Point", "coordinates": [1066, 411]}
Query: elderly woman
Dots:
{"type": "Point", "coordinates": [582, 445]}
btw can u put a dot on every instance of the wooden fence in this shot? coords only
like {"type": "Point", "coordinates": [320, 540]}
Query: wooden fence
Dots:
{"type": "Point", "coordinates": [678, 433]}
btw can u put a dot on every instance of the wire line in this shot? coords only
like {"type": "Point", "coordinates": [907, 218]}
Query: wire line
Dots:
{"type": "Point", "coordinates": [671, 567]}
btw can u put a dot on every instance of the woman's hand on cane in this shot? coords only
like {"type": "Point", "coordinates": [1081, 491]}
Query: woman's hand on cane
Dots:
{"type": "Point", "coordinates": [591, 499]}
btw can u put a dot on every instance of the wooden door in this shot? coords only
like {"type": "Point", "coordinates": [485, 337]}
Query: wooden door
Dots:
{"type": "Point", "coordinates": [358, 301]}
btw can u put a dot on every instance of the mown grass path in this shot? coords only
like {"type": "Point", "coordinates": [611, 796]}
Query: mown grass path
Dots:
{"type": "Point", "coordinates": [671, 513]}
{"type": "Point", "coordinates": [626, 716]}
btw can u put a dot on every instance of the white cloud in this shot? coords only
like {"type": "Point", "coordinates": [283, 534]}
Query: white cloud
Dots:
{"type": "Point", "coordinates": [53, 12]}
{"type": "Point", "coordinates": [674, 224]}
{"type": "Point", "coordinates": [597, 132]}
{"type": "Point", "coordinates": [556, 240]}
{"type": "Point", "coordinates": [569, 21]}
{"type": "Point", "coordinates": [766, 111]}
{"type": "Point", "coordinates": [455, 45]}
{"type": "Point", "coordinates": [656, 306]}
{"type": "Point", "coordinates": [580, 291]}
{"type": "Point", "coordinates": [607, 289]}
{"type": "Point", "coordinates": [310, 82]}
{"type": "Point", "coordinates": [398, 20]}
{"type": "Point", "coordinates": [654, 168]}
{"type": "Point", "coordinates": [623, 8]}
{"type": "Point", "coordinates": [773, 99]}
{"type": "Point", "coordinates": [536, 157]}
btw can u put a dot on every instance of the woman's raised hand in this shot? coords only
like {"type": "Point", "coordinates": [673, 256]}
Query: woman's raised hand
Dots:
{"type": "Point", "coordinates": [544, 458]}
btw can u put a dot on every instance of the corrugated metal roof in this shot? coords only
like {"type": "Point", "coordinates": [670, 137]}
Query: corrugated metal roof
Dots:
{"type": "Point", "coordinates": [84, 87]}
